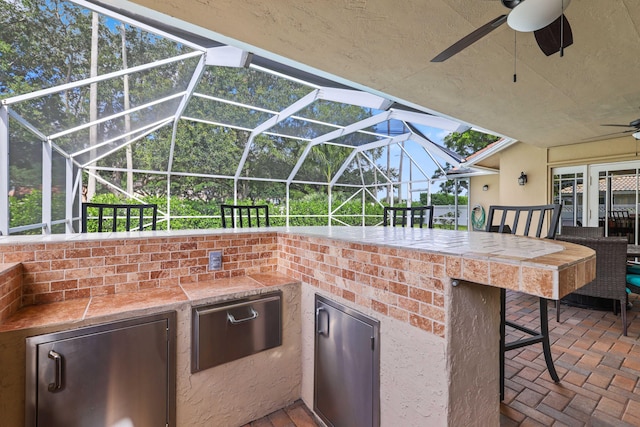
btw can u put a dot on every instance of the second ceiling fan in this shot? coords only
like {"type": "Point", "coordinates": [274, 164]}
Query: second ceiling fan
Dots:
{"type": "Point", "coordinates": [544, 17]}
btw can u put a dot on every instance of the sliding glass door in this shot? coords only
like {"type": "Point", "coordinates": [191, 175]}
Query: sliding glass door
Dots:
{"type": "Point", "coordinates": [613, 200]}
{"type": "Point", "coordinates": [569, 190]}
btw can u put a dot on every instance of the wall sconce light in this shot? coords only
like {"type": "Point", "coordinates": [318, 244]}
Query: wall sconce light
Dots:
{"type": "Point", "coordinates": [485, 187]}
{"type": "Point", "coordinates": [522, 179]}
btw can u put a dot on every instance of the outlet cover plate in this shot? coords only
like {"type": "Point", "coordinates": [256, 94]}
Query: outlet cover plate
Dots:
{"type": "Point", "coordinates": [215, 261]}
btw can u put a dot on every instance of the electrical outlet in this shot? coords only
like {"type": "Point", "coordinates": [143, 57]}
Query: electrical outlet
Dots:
{"type": "Point", "coordinates": [215, 261]}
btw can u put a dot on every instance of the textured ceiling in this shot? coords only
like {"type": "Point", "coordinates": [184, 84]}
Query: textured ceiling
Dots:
{"type": "Point", "coordinates": [387, 46]}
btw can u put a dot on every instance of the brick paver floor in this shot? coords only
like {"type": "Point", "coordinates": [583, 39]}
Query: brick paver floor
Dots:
{"type": "Point", "coordinates": [598, 367]}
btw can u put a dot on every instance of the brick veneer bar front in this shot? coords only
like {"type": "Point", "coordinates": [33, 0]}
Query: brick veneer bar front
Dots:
{"type": "Point", "coordinates": [59, 271]}
{"type": "Point", "coordinates": [400, 283]}
{"type": "Point", "coordinates": [404, 284]}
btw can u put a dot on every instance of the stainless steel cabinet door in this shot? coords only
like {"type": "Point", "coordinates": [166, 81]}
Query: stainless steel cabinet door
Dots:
{"type": "Point", "coordinates": [346, 386]}
{"type": "Point", "coordinates": [115, 376]}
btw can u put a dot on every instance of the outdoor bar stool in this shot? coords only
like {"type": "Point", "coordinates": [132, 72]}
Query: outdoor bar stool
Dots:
{"type": "Point", "coordinates": [402, 216]}
{"type": "Point", "coordinates": [244, 216]}
{"type": "Point", "coordinates": [530, 220]}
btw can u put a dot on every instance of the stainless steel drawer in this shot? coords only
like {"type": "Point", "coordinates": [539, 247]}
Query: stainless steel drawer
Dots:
{"type": "Point", "coordinates": [234, 329]}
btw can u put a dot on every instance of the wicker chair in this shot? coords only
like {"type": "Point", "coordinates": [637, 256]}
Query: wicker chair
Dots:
{"type": "Point", "coordinates": [611, 271]}
{"type": "Point", "coordinates": [570, 230]}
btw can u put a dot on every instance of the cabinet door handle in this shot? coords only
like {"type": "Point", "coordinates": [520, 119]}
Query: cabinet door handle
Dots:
{"type": "Point", "coordinates": [57, 358]}
{"type": "Point", "coordinates": [234, 321]}
{"type": "Point", "coordinates": [320, 330]}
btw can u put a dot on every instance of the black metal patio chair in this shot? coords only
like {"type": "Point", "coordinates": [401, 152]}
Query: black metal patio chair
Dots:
{"type": "Point", "coordinates": [241, 216]}
{"type": "Point", "coordinates": [408, 216]}
{"type": "Point", "coordinates": [535, 221]}
{"type": "Point", "coordinates": [110, 216]}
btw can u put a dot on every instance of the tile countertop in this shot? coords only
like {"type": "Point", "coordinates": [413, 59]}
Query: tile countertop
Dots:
{"type": "Point", "coordinates": [448, 242]}
{"type": "Point", "coordinates": [542, 267]}
{"type": "Point", "coordinates": [547, 268]}
{"type": "Point", "coordinates": [81, 309]}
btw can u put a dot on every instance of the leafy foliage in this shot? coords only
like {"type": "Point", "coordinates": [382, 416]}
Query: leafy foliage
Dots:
{"type": "Point", "coordinates": [443, 199]}
{"type": "Point", "coordinates": [46, 44]}
{"type": "Point", "coordinates": [464, 144]}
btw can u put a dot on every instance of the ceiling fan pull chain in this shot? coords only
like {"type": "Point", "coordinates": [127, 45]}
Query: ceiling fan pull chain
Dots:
{"type": "Point", "coordinates": [561, 28]}
{"type": "Point", "coordinates": [515, 55]}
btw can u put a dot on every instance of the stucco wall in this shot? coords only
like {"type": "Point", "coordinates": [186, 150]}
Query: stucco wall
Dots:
{"type": "Point", "coordinates": [537, 164]}
{"type": "Point", "coordinates": [484, 198]}
{"type": "Point", "coordinates": [533, 162]}
{"type": "Point", "coordinates": [246, 389]}
{"type": "Point", "coordinates": [505, 189]}
{"type": "Point", "coordinates": [473, 362]}
{"type": "Point", "coordinates": [613, 150]}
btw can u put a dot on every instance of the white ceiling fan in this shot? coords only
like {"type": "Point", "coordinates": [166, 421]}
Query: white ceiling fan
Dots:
{"type": "Point", "coordinates": [545, 18]}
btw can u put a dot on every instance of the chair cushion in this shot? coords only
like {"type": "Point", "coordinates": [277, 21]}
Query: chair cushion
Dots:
{"type": "Point", "coordinates": [633, 269]}
{"type": "Point", "coordinates": [633, 283]}
{"type": "Point", "coordinates": [633, 279]}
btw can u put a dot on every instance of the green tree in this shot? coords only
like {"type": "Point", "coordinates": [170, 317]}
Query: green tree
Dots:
{"type": "Point", "coordinates": [443, 199]}
{"type": "Point", "coordinates": [464, 144]}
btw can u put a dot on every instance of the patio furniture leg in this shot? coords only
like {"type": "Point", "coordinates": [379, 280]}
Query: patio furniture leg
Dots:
{"type": "Point", "coordinates": [503, 294]}
{"type": "Point", "coordinates": [536, 337]}
{"type": "Point", "coordinates": [546, 345]}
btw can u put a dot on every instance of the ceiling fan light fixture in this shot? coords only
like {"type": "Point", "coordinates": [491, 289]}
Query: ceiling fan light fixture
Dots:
{"type": "Point", "coordinates": [534, 15]}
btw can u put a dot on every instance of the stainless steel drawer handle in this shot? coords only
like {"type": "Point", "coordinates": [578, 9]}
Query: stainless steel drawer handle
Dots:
{"type": "Point", "coordinates": [320, 330]}
{"type": "Point", "coordinates": [234, 321]}
{"type": "Point", "coordinates": [57, 358]}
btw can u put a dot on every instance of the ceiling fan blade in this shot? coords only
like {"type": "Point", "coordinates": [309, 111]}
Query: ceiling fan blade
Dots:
{"type": "Point", "coordinates": [599, 137]}
{"type": "Point", "coordinates": [549, 37]}
{"type": "Point", "coordinates": [622, 126]}
{"type": "Point", "coordinates": [470, 39]}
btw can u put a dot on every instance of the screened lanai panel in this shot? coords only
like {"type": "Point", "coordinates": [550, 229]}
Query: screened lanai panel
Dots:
{"type": "Point", "coordinates": [25, 178]}
{"type": "Point", "coordinates": [200, 108]}
{"type": "Point", "coordinates": [272, 157]}
{"type": "Point", "coordinates": [308, 205]}
{"type": "Point", "coordinates": [53, 53]}
{"type": "Point", "coordinates": [144, 47]}
{"type": "Point", "coordinates": [357, 139]}
{"type": "Point", "coordinates": [58, 191]}
{"type": "Point", "coordinates": [152, 151]}
{"type": "Point", "coordinates": [360, 171]}
{"type": "Point", "coordinates": [74, 142]}
{"type": "Point", "coordinates": [195, 201]}
{"type": "Point", "coordinates": [388, 128]}
{"type": "Point", "coordinates": [149, 153]}
{"type": "Point", "coordinates": [251, 87]}
{"type": "Point", "coordinates": [300, 128]}
{"type": "Point", "coordinates": [70, 109]}
{"type": "Point", "coordinates": [355, 206]}
{"type": "Point", "coordinates": [322, 163]}
{"type": "Point", "coordinates": [117, 132]}
{"type": "Point", "coordinates": [207, 149]}
{"type": "Point", "coordinates": [335, 113]}
{"type": "Point", "coordinates": [381, 164]}
{"type": "Point", "coordinates": [56, 112]}
{"type": "Point", "coordinates": [159, 82]}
